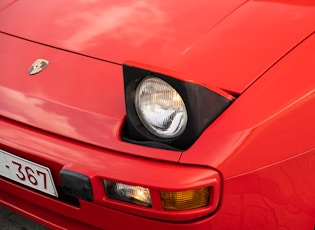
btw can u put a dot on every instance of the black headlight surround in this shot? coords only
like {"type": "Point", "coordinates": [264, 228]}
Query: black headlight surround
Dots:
{"type": "Point", "coordinates": [203, 106]}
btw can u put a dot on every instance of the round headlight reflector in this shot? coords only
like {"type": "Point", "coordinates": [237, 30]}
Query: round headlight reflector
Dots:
{"type": "Point", "coordinates": [160, 108]}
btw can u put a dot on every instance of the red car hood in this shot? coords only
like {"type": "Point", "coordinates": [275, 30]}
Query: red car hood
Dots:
{"type": "Point", "coordinates": [224, 44]}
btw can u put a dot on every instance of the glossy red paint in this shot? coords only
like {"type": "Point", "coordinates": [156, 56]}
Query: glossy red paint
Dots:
{"type": "Point", "coordinates": [184, 40]}
{"type": "Point", "coordinates": [270, 122]}
{"type": "Point", "coordinates": [102, 165]}
{"type": "Point", "coordinates": [88, 115]}
{"type": "Point", "coordinates": [258, 156]}
{"type": "Point", "coordinates": [268, 131]}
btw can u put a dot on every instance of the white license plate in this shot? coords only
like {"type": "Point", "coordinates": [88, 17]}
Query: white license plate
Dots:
{"type": "Point", "coordinates": [27, 173]}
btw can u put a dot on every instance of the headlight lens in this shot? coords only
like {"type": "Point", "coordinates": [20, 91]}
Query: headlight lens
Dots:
{"type": "Point", "coordinates": [160, 108]}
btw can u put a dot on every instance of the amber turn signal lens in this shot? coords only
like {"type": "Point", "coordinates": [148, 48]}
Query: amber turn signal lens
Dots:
{"type": "Point", "coordinates": [185, 200]}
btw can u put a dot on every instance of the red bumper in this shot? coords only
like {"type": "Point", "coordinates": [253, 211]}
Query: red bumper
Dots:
{"type": "Point", "coordinates": [58, 215]}
{"type": "Point", "coordinates": [100, 164]}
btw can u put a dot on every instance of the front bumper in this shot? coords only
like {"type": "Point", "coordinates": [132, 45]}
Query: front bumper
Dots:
{"type": "Point", "coordinates": [98, 165]}
{"type": "Point", "coordinates": [58, 215]}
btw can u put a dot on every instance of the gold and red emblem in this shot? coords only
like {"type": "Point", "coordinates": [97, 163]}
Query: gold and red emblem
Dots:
{"type": "Point", "coordinates": [38, 66]}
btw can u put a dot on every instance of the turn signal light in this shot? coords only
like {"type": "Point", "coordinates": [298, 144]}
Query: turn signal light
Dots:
{"type": "Point", "coordinates": [185, 200]}
{"type": "Point", "coordinates": [128, 193]}
{"type": "Point", "coordinates": [172, 201]}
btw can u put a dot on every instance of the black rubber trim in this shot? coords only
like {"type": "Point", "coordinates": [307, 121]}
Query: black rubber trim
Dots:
{"type": "Point", "coordinates": [76, 184]}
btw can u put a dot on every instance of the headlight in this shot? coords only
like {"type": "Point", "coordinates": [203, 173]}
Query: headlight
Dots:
{"type": "Point", "coordinates": [160, 108]}
{"type": "Point", "coordinates": [164, 112]}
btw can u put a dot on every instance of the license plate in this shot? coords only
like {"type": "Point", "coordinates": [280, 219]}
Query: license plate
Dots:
{"type": "Point", "coordinates": [27, 173]}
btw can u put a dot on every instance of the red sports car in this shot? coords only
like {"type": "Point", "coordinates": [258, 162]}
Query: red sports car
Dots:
{"type": "Point", "coordinates": [158, 114]}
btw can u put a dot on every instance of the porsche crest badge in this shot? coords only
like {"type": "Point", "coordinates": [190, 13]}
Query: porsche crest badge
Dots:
{"type": "Point", "coordinates": [38, 66]}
